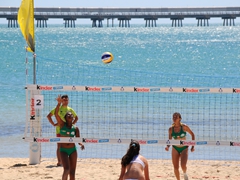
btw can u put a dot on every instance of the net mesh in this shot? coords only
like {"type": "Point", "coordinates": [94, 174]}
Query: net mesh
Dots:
{"type": "Point", "coordinates": [111, 114]}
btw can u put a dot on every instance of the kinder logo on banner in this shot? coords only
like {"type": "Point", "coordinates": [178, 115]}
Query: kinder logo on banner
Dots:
{"type": "Point", "coordinates": [190, 90]}
{"type": "Point", "coordinates": [234, 143]}
{"type": "Point", "coordinates": [236, 90]}
{"type": "Point", "coordinates": [41, 140]}
{"type": "Point", "coordinates": [141, 89]}
{"type": "Point", "coordinates": [87, 88]}
{"type": "Point", "coordinates": [142, 142]}
{"type": "Point", "coordinates": [187, 143]}
{"type": "Point", "coordinates": [90, 140]}
{"type": "Point", "coordinates": [46, 88]}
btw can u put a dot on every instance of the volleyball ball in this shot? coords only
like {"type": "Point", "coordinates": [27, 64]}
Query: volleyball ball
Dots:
{"type": "Point", "coordinates": [107, 57]}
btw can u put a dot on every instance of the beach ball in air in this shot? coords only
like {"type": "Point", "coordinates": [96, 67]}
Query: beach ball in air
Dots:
{"type": "Point", "coordinates": [107, 57]}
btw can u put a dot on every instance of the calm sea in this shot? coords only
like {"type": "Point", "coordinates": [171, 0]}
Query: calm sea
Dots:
{"type": "Point", "coordinates": [163, 56]}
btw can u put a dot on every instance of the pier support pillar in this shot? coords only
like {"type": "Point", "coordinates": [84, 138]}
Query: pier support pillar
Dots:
{"type": "Point", "coordinates": [203, 21]}
{"type": "Point", "coordinates": [69, 22]}
{"type": "Point", "coordinates": [12, 22]}
{"type": "Point", "coordinates": [151, 22]}
{"type": "Point", "coordinates": [95, 20]}
{"type": "Point", "coordinates": [177, 21]}
{"type": "Point", "coordinates": [228, 21]}
{"type": "Point", "coordinates": [108, 22]}
{"type": "Point", "coordinates": [124, 22]}
{"type": "Point", "coordinates": [42, 22]}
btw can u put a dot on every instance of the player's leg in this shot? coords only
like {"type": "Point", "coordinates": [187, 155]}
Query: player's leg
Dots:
{"type": "Point", "coordinates": [65, 163]}
{"type": "Point", "coordinates": [73, 164]}
{"type": "Point", "coordinates": [175, 161]}
{"type": "Point", "coordinates": [184, 159]}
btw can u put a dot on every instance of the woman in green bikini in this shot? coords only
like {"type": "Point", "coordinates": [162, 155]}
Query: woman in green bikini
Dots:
{"type": "Point", "coordinates": [178, 131]}
{"type": "Point", "coordinates": [68, 151]}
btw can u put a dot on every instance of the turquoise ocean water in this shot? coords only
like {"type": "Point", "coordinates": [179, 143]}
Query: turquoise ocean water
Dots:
{"type": "Point", "coordinates": [164, 56]}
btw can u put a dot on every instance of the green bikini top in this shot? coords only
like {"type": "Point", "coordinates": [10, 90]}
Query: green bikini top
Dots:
{"type": "Point", "coordinates": [65, 131]}
{"type": "Point", "coordinates": [179, 134]}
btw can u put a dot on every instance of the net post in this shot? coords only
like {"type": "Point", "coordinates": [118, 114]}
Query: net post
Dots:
{"type": "Point", "coordinates": [35, 130]}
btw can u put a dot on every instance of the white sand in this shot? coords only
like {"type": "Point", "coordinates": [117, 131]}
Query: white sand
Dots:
{"type": "Point", "coordinates": [109, 169]}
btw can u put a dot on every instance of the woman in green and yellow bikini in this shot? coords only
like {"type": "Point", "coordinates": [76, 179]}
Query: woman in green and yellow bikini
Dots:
{"type": "Point", "coordinates": [178, 131]}
{"type": "Point", "coordinates": [68, 151]}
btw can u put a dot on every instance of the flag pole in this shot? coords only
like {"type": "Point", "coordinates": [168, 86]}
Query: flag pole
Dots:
{"type": "Point", "coordinates": [34, 69]}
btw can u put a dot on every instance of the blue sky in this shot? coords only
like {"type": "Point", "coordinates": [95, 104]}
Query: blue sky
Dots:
{"type": "Point", "coordinates": [126, 3]}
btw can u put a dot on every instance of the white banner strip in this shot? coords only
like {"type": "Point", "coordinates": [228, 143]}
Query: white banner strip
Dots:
{"type": "Point", "coordinates": [132, 89]}
{"type": "Point", "coordinates": [127, 141]}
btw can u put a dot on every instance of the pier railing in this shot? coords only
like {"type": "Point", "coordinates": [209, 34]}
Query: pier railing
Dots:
{"type": "Point", "coordinates": [126, 14]}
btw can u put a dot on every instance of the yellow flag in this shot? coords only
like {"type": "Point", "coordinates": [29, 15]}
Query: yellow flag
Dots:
{"type": "Point", "coordinates": [26, 23]}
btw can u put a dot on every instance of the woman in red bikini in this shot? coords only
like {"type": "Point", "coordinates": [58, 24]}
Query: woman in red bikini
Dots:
{"type": "Point", "coordinates": [178, 131]}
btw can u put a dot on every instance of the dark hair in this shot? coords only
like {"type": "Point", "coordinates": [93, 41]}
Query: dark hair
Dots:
{"type": "Point", "coordinates": [132, 151]}
{"type": "Point", "coordinates": [66, 114]}
{"type": "Point", "coordinates": [178, 114]}
{"type": "Point", "coordinates": [64, 96]}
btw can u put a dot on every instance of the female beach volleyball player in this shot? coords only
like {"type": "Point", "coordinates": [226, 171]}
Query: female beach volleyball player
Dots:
{"type": "Point", "coordinates": [178, 132]}
{"type": "Point", "coordinates": [68, 151]}
{"type": "Point", "coordinates": [134, 166]}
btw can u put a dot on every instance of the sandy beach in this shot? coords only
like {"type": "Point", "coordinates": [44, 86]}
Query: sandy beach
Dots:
{"type": "Point", "coordinates": [109, 169]}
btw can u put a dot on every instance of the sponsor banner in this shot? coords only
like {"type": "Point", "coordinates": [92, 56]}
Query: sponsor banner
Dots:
{"type": "Point", "coordinates": [152, 141]}
{"type": "Point", "coordinates": [107, 89]}
{"type": "Point", "coordinates": [133, 89]}
{"type": "Point", "coordinates": [88, 88]}
{"type": "Point", "coordinates": [188, 143]}
{"type": "Point", "coordinates": [236, 90]}
{"type": "Point", "coordinates": [103, 140]}
{"type": "Point", "coordinates": [44, 88]}
{"type": "Point", "coordinates": [154, 89]}
{"type": "Point", "coordinates": [234, 143]}
{"type": "Point", "coordinates": [142, 89]}
{"type": "Point", "coordinates": [204, 90]}
{"type": "Point", "coordinates": [201, 143]}
{"type": "Point", "coordinates": [54, 139]}
{"type": "Point", "coordinates": [142, 141]}
{"type": "Point", "coordinates": [32, 109]}
{"type": "Point", "coordinates": [190, 90]}
{"type": "Point", "coordinates": [84, 140]}
{"type": "Point", "coordinates": [41, 140]}
{"type": "Point", "coordinates": [57, 87]}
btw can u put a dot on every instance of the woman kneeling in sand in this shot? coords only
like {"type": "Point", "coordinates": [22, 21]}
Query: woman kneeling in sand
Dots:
{"type": "Point", "coordinates": [134, 165]}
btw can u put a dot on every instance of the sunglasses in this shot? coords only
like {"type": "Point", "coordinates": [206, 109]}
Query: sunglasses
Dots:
{"type": "Point", "coordinates": [69, 115]}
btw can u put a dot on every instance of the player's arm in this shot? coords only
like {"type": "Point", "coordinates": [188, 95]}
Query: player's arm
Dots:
{"type": "Point", "coordinates": [59, 120]}
{"type": "Point", "coordinates": [75, 116]}
{"type": "Point", "coordinates": [169, 137]}
{"type": "Point", "coordinates": [146, 171]}
{"type": "Point", "coordinates": [75, 120]}
{"type": "Point", "coordinates": [78, 135]}
{"type": "Point", "coordinates": [49, 117]}
{"type": "Point", "coordinates": [123, 170]}
{"type": "Point", "coordinates": [187, 129]}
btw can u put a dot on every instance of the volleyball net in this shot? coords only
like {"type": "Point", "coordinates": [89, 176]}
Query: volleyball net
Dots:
{"type": "Point", "coordinates": [116, 105]}
{"type": "Point", "coordinates": [110, 116]}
